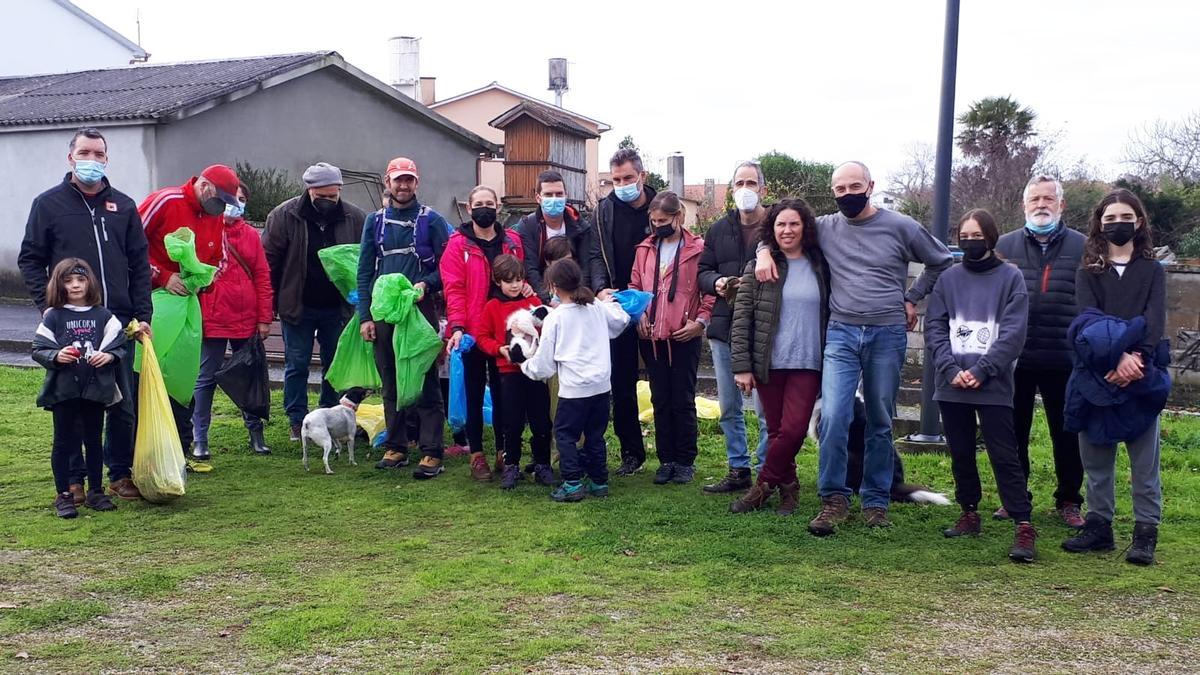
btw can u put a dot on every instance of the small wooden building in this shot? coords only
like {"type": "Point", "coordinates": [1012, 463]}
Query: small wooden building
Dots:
{"type": "Point", "coordinates": [538, 137]}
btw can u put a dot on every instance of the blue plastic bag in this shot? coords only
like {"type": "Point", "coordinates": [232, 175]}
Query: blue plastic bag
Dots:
{"type": "Point", "coordinates": [487, 405]}
{"type": "Point", "coordinates": [456, 407]}
{"type": "Point", "coordinates": [633, 302]}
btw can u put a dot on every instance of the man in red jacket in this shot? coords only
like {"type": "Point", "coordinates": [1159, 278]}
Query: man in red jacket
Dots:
{"type": "Point", "coordinates": [199, 205]}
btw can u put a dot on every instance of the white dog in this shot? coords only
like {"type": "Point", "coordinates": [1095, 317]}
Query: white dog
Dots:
{"type": "Point", "coordinates": [523, 325]}
{"type": "Point", "coordinates": [332, 427]}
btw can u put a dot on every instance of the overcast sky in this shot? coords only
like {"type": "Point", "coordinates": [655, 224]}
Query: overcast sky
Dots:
{"type": "Point", "coordinates": [826, 81]}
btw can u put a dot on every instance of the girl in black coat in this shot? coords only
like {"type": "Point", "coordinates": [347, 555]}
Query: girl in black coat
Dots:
{"type": "Point", "coordinates": [77, 343]}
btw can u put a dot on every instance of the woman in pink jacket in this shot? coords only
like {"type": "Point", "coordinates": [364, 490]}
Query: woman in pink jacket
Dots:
{"type": "Point", "coordinates": [667, 265]}
{"type": "Point", "coordinates": [234, 308]}
{"type": "Point", "coordinates": [466, 269]}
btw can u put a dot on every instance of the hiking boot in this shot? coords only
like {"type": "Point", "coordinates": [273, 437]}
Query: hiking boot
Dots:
{"type": "Point", "coordinates": [64, 505]}
{"type": "Point", "coordinates": [629, 467]}
{"type": "Point", "coordinates": [457, 450]}
{"type": "Point", "coordinates": [1069, 512]}
{"type": "Point", "coordinates": [295, 435]}
{"type": "Point", "coordinates": [753, 500]}
{"type": "Point", "coordinates": [789, 499]}
{"type": "Point", "coordinates": [1001, 514]}
{"type": "Point", "coordinates": [1023, 544]}
{"type": "Point", "coordinates": [427, 468]}
{"type": "Point", "coordinates": [1096, 535]}
{"type": "Point", "coordinates": [98, 501]}
{"type": "Point", "coordinates": [734, 481]}
{"type": "Point", "coordinates": [968, 523]}
{"type": "Point", "coordinates": [876, 516]}
{"type": "Point", "coordinates": [76, 490]}
{"type": "Point", "coordinates": [200, 451]}
{"type": "Point", "coordinates": [569, 491]}
{"type": "Point", "coordinates": [664, 473]}
{"type": "Point", "coordinates": [1145, 538]}
{"type": "Point", "coordinates": [124, 489]}
{"type": "Point", "coordinates": [835, 509]}
{"type": "Point", "coordinates": [392, 459]}
{"type": "Point", "coordinates": [543, 475]}
{"type": "Point", "coordinates": [597, 490]}
{"type": "Point", "coordinates": [683, 474]}
{"type": "Point", "coordinates": [479, 467]}
{"type": "Point", "coordinates": [510, 477]}
{"type": "Point", "coordinates": [258, 444]}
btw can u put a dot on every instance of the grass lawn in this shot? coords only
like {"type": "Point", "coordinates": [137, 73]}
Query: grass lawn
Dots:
{"type": "Point", "coordinates": [263, 567]}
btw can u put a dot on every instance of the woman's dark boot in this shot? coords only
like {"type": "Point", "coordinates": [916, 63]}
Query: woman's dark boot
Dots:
{"type": "Point", "coordinates": [257, 443]}
{"type": "Point", "coordinates": [1096, 535]}
{"type": "Point", "coordinates": [1145, 539]}
{"type": "Point", "coordinates": [789, 499]}
{"type": "Point", "coordinates": [753, 500]}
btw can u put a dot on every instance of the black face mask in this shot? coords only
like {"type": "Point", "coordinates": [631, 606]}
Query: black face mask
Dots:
{"type": "Point", "coordinates": [974, 249]}
{"type": "Point", "coordinates": [213, 206]}
{"type": "Point", "coordinates": [852, 204]}
{"type": "Point", "coordinates": [664, 231]}
{"type": "Point", "coordinates": [483, 216]}
{"type": "Point", "coordinates": [324, 206]}
{"type": "Point", "coordinates": [1118, 233]}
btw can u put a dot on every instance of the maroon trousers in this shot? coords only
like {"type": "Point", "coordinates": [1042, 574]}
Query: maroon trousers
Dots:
{"type": "Point", "coordinates": [787, 401]}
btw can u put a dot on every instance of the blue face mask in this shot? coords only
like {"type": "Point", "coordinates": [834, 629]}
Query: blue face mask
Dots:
{"type": "Point", "coordinates": [88, 171]}
{"type": "Point", "coordinates": [554, 206]}
{"type": "Point", "coordinates": [234, 212]}
{"type": "Point", "coordinates": [1041, 230]}
{"type": "Point", "coordinates": [628, 193]}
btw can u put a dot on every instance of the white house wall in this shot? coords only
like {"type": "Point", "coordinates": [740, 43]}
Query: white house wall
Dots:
{"type": "Point", "coordinates": [43, 37]}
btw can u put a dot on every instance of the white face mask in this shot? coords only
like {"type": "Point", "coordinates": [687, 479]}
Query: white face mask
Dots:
{"type": "Point", "coordinates": [745, 199]}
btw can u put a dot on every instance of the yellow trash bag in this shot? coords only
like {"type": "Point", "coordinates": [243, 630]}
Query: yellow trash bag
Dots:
{"type": "Point", "coordinates": [370, 418]}
{"type": "Point", "coordinates": [706, 408]}
{"type": "Point", "coordinates": [159, 470]}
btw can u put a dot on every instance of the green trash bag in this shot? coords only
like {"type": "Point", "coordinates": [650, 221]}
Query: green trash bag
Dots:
{"type": "Point", "coordinates": [414, 342]}
{"type": "Point", "coordinates": [177, 326]}
{"type": "Point", "coordinates": [341, 265]}
{"type": "Point", "coordinates": [353, 363]}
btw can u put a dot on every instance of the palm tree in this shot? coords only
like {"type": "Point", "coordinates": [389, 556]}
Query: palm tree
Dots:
{"type": "Point", "coordinates": [995, 125]}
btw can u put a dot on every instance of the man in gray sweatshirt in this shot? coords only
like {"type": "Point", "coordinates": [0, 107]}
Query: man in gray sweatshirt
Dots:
{"type": "Point", "coordinates": [868, 251]}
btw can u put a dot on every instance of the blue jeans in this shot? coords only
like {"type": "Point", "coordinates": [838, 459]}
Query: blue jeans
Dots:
{"type": "Point", "coordinates": [733, 422]}
{"type": "Point", "coordinates": [212, 356]}
{"type": "Point", "coordinates": [326, 325]}
{"type": "Point", "coordinates": [877, 352]}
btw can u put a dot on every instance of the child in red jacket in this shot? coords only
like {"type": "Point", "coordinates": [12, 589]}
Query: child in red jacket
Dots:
{"type": "Point", "coordinates": [525, 400]}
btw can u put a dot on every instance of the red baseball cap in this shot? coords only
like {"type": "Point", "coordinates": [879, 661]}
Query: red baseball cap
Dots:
{"type": "Point", "coordinates": [401, 166]}
{"type": "Point", "coordinates": [225, 180]}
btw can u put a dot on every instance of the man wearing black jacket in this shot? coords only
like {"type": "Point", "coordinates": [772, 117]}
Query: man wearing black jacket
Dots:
{"type": "Point", "coordinates": [622, 222]}
{"type": "Point", "coordinates": [85, 217]}
{"type": "Point", "coordinates": [554, 218]}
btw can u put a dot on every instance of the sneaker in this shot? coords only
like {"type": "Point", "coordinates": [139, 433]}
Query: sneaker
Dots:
{"type": "Point", "coordinates": [458, 450]}
{"type": "Point", "coordinates": [392, 459]}
{"type": "Point", "coordinates": [427, 468]}
{"type": "Point", "coordinates": [1145, 539]}
{"type": "Point", "coordinates": [1001, 514]}
{"type": "Point", "coordinates": [200, 451]}
{"type": "Point", "coordinates": [683, 474]}
{"type": "Point", "coordinates": [835, 509]}
{"type": "Point", "coordinates": [1096, 535]}
{"type": "Point", "coordinates": [734, 481]}
{"type": "Point", "coordinates": [295, 432]}
{"type": "Point", "coordinates": [629, 467]}
{"type": "Point", "coordinates": [76, 490]}
{"type": "Point", "coordinates": [510, 477]}
{"type": "Point", "coordinates": [64, 505]}
{"type": "Point", "coordinates": [543, 475]}
{"type": "Point", "coordinates": [569, 491]}
{"type": "Point", "coordinates": [499, 465]}
{"type": "Point", "coordinates": [98, 501]}
{"type": "Point", "coordinates": [124, 489]}
{"type": "Point", "coordinates": [1023, 544]}
{"type": "Point", "coordinates": [199, 467]}
{"type": "Point", "coordinates": [753, 500]}
{"type": "Point", "coordinates": [479, 467]}
{"type": "Point", "coordinates": [664, 473]}
{"type": "Point", "coordinates": [875, 516]}
{"type": "Point", "coordinates": [597, 490]}
{"type": "Point", "coordinates": [968, 523]}
{"type": "Point", "coordinates": [1069, 512]}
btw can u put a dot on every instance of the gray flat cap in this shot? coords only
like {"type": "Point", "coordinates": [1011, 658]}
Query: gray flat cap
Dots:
{"type": "Point", "coordinates": [321, 175]}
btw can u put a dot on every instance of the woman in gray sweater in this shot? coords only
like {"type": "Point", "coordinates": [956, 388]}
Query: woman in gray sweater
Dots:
{"type": "Point", "coordinates": [974, 331]}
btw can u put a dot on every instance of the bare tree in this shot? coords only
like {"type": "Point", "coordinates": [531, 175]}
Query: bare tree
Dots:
{"type": "Point", "coordinates": [1164, 149]}
{"type": "Point", "coordinates": [914, 182]}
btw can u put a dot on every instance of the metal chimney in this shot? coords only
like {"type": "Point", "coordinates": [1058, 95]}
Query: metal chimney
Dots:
{"type": "Point", "coordinates": [405, 65]}
{"type": "Point", "coordinates": [558, 79]}
{"type": "Point", "coordinates": [675, 173]}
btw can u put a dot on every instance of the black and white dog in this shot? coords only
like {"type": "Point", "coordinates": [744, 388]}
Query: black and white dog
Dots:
{"type": "Point", "coordinates": [332, 427]}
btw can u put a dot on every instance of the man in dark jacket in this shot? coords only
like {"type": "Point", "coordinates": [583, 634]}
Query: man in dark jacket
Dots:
{"type": "Point", "coordinates": [553, 218]}
{"type": "Point", "coordinates": [622, 222]}
{"type": "Point", "coordinates": [85, 217]}
{"type": "Point", "coordinates": [1048, 254]}
{"type": "Point", "coordinates": [307, 301]}
{"type": "Point", "coordinates": [728, 247]}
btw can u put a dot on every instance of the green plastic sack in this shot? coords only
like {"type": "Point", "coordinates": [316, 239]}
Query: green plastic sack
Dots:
{"type": "Point", "coordinates": [341, 265]}
{"type": "Point", "coordinates": [177, 326]}
{"type": "Point", "coordinates": [354, 361]}
{"type": "Point", "coordinates": [414, 342]}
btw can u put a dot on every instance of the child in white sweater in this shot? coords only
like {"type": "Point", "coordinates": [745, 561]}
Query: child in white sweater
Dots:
{"type": "Point", "coordinates": [573, 348]}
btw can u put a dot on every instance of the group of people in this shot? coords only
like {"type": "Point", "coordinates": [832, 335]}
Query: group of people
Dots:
{"type": "Point", "coordinates": [802, 312]}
